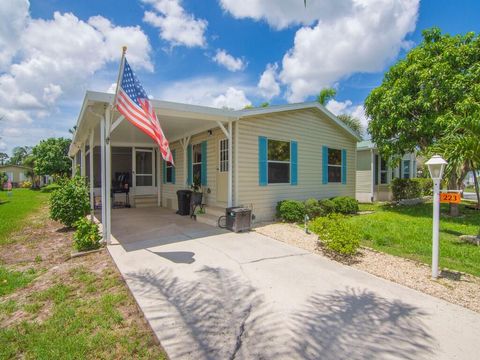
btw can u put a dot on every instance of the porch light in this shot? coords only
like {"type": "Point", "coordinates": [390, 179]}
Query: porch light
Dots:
{"type": "Point", "coordinates": [436, 165]}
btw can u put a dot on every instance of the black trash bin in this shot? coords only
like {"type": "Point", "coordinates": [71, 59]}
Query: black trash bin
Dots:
{"type": "Point", "coordinates": [183, 197]}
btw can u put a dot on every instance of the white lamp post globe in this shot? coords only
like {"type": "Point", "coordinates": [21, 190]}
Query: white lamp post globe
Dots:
{"type": "Point", "coordinates": [436, 165]}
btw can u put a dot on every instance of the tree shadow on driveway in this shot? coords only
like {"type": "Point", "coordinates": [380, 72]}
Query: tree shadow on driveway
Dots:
{"type": "Point", "coordinates": [358, 324]}
{"type": "Point", "coordinates": [218, 314]}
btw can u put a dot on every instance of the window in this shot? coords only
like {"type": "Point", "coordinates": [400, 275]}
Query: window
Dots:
{"type": "Point", "coordinates": [334, 165]}
{"type": "Point", "coordinates": [223, 156]}
{"type": "Point", "coordinates": [169, 172]}
{"type": "Point", "coordinates": [278, 162]}
{"type": "Point", "coordinates": [383, 171]}
{"type": "Point", "coordinates": [197, 163]}
{"type": "Point", "coordinates": [406, 169]}
{"type": "Point", "coordinates": [375, 169]}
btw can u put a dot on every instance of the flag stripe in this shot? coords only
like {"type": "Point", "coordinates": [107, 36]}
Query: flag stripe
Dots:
{"type": "Point", "coordinates": [133, 103]}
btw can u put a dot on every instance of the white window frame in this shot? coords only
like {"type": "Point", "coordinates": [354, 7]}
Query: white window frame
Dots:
{"type": "Point", "coordinates": [409, 169]}
{"type": "Point", "coordinates": [223, 151]}
{"type": "Point", "coordinates": [383, 171]}
{"type": "Point", "coordinates": [197, 163]}
{"type": "Point", "coordinates": [280, 162]}
{"type": "Point", "coordinates": [334, 165]}
{"type": "Point", "coordinates": [168, 165]}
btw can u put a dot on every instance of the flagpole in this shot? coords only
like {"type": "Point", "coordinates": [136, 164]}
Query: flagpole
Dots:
{"type": "Point", "coordinates": [120, 71]}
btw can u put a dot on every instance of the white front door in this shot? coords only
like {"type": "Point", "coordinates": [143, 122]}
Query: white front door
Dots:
{"type": "Point", "coordinates": [144, 170]}
{"type": "Point", "coordinates": [222, 170]}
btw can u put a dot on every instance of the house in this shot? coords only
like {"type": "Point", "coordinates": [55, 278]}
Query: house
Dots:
{"type": "Point", "coordinates": [17, 174]}
{"type": "Point", "coordinates": [374, 175]}
{"type": "Point", "coordinates": [251, 157]}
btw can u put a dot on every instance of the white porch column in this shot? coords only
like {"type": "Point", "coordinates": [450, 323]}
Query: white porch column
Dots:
{"type": "Point", "coordinates": [372, 167]}
{"type": "Point", "coordinates": [82, 160]}
{"type": "Point", "coordinates": [74, 165]}
{"type": "Point", "coordinates": [90, 165]}
{"type": "Point", "coordinates": [108, 174]}
{"type": "Point", "coordinates": [230, 167]}
{"type": "Point", "coordinates": [103, 176]}
{"type": "Point", "coordinates": [157, 157]}
{"type": "Point", "coordinates": [184, 142]}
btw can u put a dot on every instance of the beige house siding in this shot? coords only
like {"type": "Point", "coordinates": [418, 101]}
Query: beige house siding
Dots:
{"type": "Point", "coordinates": [312, 130]}
{"type": "Point", "coordinates": [169, 191]}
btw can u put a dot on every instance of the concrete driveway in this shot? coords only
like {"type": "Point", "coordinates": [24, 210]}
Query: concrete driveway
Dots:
{"type": "Point", "coordinates": [210, 294]}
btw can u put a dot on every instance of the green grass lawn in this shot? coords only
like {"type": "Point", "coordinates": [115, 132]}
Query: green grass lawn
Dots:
{"type": "Point", "coordinates": [14, 210]}
{"type": "Point", "coordinates": [407, 232]}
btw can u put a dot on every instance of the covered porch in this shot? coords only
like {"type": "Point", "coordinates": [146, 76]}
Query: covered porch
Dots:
{"type": "Point", "coordinates": [124, 167]}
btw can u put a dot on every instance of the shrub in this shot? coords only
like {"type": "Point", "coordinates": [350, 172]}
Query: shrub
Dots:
{"type": "Point", "coordinates": [405, 189]}
{"type": "Point", "coordinates": [70, 201]}
{"type": "Point", "coordinates": [291, 210]}
{"type": "Point", "coordinates": [50, 188]}
{"type": "Point", "coordinates": [336, 234]}
{"type": "Point", "coordinates": [313, 208]}
{"type": "Point", "coordinates": [426, 186]}
{"type": "Point", "coordinates": [345, 205]}
{"type": "Point", "coordinates": [327, 206]}
{"type": "Point", "coordinates": [87, 236]}
{"type": "Point", "coordinates": [26, 184]}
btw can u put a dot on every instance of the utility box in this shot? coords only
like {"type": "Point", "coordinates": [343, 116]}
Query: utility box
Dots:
{"type": "Point", "coordinates": [238, 219]}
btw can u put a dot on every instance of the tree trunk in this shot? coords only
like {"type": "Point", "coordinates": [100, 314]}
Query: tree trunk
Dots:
{"type": "Point", "coordinates": [475, 181]}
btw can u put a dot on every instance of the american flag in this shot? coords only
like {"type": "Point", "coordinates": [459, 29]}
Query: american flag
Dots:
{"type": "Point", "coordinates": [133, 103]}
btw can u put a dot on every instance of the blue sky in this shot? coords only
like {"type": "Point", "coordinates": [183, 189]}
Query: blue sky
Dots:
{"type": "Point", "coordinates": [211, 52]}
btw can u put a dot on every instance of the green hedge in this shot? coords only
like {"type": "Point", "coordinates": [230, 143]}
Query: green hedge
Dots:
{"type": "Point", "coordinates": [336, 234]}
{"type": "Point", "coordinates": [70, 202]}
{"type": "Point", "coordinates": [87, 236]}
{"type": "Point", "coordinates": [295, 211]}
{"type": "Point", "coordinates": [406, 189]}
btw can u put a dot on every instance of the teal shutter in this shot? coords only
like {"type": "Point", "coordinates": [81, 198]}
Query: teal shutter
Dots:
{"type": "Point", "coordinates": [164, 171]}
{"type": "Point", "coordinates": [344, 166]}
{"type": "Point", "coordinates": [293, 162]}
{"type": "Point", "coordinates": [173, 167]}
{"type": "Point", "coordinates": [324, 165]}
{"type": "Point", "coordinates": [204, 163]}
{"type": "Point", "coordinates": [262, 161]}
{"type": "Point", "coordinates": [189, 165]}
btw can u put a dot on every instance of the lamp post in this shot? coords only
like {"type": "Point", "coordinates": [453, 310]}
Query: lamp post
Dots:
{"type": "Point", "coordinates": [436, 165]}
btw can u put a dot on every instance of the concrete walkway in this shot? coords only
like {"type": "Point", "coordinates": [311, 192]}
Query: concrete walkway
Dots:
{"type": "Point", "coordinates": [210, 294]}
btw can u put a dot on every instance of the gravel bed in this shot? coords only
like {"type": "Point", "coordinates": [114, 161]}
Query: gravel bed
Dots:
{"type": "Point", "coordinates": [455, 287]}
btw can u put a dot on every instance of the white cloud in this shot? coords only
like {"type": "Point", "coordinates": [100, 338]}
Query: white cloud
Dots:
{"type": "Point", "coordinates": [13, 18]}
{"type": "Point", "coordinates": [268, 84]}
{"type": "Point", "coordinates": [282, 13]}
{"type": "Point", "coordinates": [3, 146]}
{"type": "Point", "coordinates": [232, 99]}
{"type": "Point", "coordinates": [363, 41]}
{"type": "Point", "coordinates": [347, 107]}
{"type": "Point", "coordinates": [207, 91]}
{"type": "Point", "coordinates": [174, 24]}
{"type": "Point", "coordinates": [228, 61]}
{"type": "Point", "coordinates": [54, 61]}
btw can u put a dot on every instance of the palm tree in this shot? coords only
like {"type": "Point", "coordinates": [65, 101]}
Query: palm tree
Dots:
{"type": "Point", "coordinates": [3, 158]}
{"type": "Point", "coordinates": [325, 95]}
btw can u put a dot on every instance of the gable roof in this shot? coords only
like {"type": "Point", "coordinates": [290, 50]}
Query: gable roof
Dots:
{"type": "Point", "coordinates": [297, 106]}
{"type": "Point", "coordinates": [167, 108]}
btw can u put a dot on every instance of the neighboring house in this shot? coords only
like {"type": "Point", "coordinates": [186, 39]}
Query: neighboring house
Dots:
{"type": "Point", "coordinates": [251, 157]}
{"type": "Point", "coordinates": [17, 174]}
{"type": "Point", "coordinates": [469, 179]}
{"type": "Point", "coordinates": [374, 175]}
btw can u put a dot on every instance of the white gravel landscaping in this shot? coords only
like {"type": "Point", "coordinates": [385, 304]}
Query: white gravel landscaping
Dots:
{"type": "Point", "coordinates": [458, 288]}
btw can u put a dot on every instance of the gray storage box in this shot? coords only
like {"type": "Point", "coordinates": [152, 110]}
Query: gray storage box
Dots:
{"type": "Point", "coordinates": [239, 219]}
